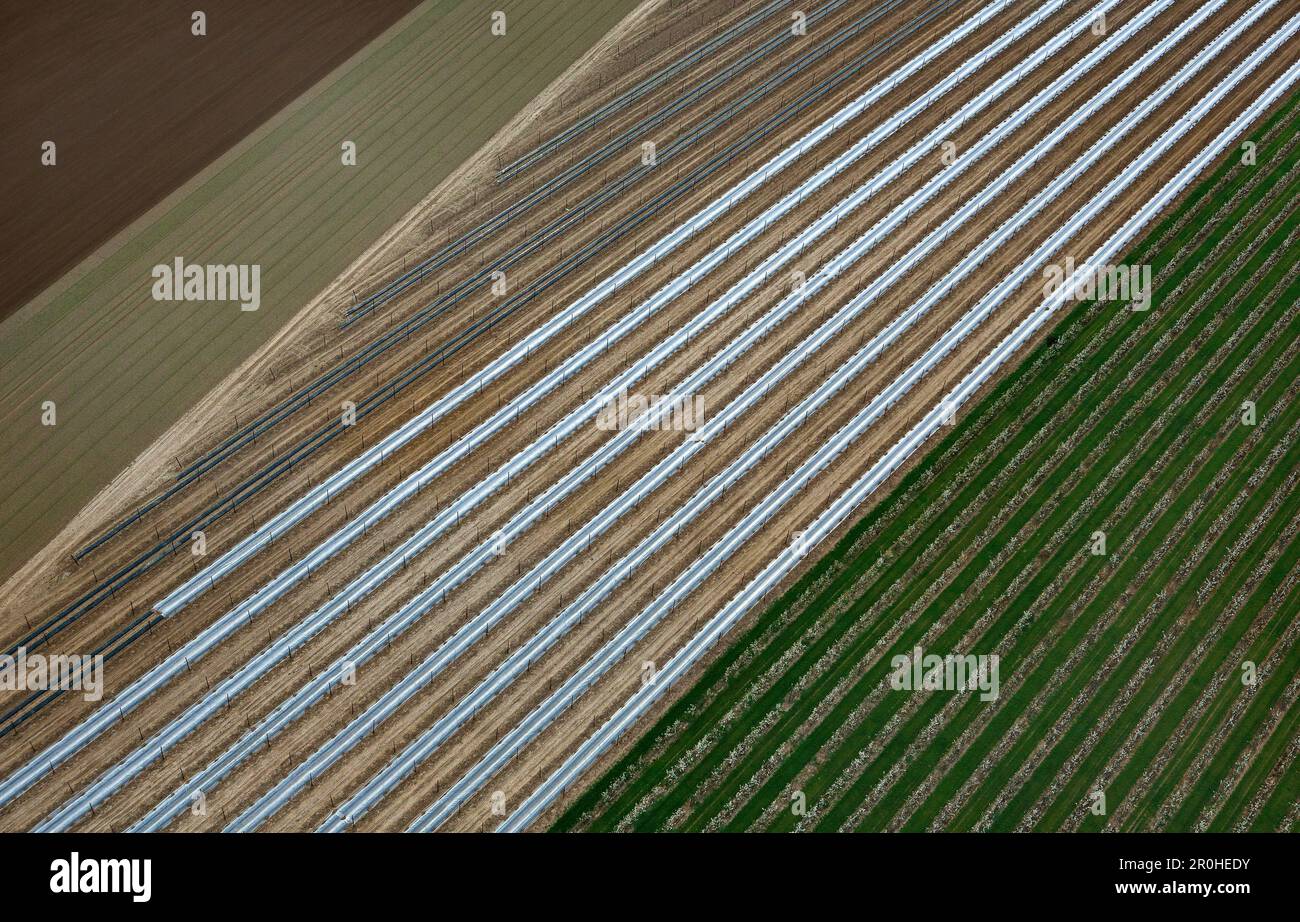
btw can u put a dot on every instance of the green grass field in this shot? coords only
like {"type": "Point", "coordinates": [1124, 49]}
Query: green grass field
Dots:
{"type": "Point", "coordinates": [1120, 673]}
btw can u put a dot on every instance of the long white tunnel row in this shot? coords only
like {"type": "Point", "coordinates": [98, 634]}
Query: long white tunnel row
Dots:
{"type": "Point", "coordinates": [835, 514]}
{"type": "Point", "coordinates": [400, 768]}
{"type": "Point", "coordinates": [220, 630]}
{"type": "Point", "coordinates": [427, 743]}
{"type": "Point", "coordinates": [554, 563]}
{"type": "Point", "coordinates": [477, 627]}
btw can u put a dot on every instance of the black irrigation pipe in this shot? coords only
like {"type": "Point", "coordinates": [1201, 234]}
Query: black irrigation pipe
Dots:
{"type": "Point", "coordinates": [466, 240]}
{"type": "Point", "coordinates": [33, 704]}
{"type": "Point", "coordinates": [641, 89]}
{"type": "Point", "coordinates": [618, 145]}
{"type": "Point", "coordinates": [260, 480]}
{"type": "Point", "coordinates": [295, 402]}
{"type": "Point", "coordinates": [445, 255]}
{"type": "Point", "coordinates": [574, 171]}
{"type": "Point", "coordinates": [411, 277]}
{"type": "Point", "coordinates": [147, 560]}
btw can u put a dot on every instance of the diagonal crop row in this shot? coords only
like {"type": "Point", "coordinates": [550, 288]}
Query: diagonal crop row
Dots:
{"type": "Point", "coordinates": [1192, 225]}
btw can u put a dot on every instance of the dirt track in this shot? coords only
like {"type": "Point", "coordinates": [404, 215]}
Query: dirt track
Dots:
{"type": "Point", "coordinates": [542, 755]}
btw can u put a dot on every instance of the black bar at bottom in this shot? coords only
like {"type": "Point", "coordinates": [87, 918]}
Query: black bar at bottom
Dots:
{"type": "Point", "coordinates": [664, 875]}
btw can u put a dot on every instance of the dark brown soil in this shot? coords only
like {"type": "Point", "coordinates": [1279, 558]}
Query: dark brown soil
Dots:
{"type": "Point", "coordinates": [137, 105]}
